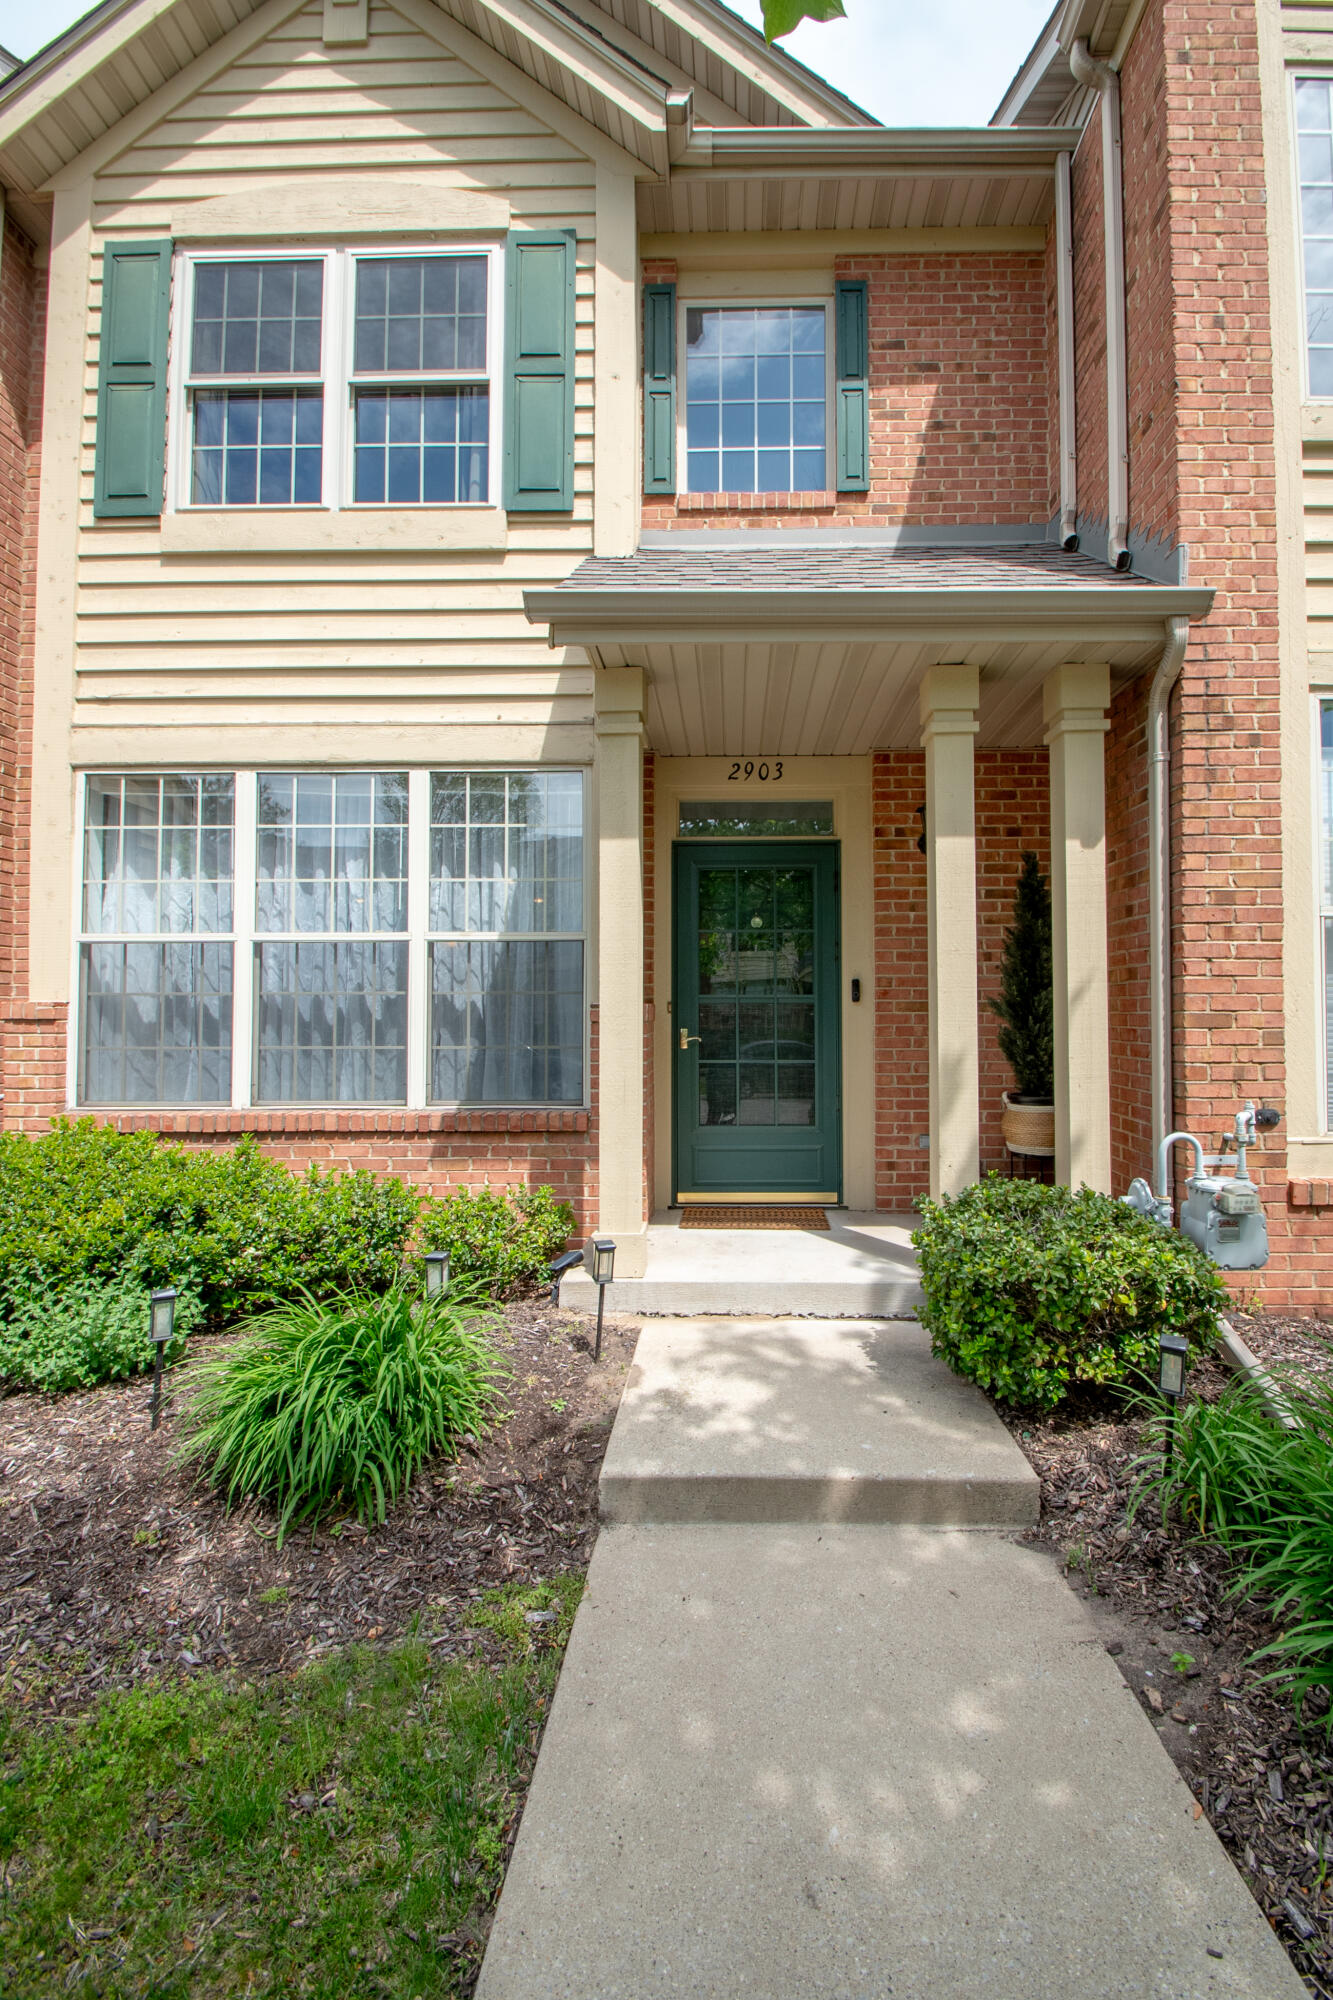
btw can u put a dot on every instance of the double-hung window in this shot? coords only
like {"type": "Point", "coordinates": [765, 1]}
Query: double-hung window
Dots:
{"type": "Point", "coordinates": [756, 399]}
{"type": "Point", "coordinates": [393, 937]}
{"type": "Point", "coordinates": [256, 387]}
{"type": "Point", "coordinates": [339, 379]}
{"type": "Point", "coordinates": [1314, 138]}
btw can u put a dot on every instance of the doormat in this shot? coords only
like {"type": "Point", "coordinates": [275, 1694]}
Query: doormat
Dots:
{"type": "Point", "coordinates": [758, 1217]}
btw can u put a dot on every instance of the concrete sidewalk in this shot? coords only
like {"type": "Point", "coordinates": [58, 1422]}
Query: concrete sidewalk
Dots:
{"type": "Point", "coordinates": [812, 1761]}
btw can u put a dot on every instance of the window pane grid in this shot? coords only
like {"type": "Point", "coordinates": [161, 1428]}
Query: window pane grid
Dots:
{"type": "Point", "coordinates": [420, 315]}
{"type": "Point", "coordinates": [1314, 126]}
{"type": "Point", "coordinates": [756, 399]}
{"type": "Point", "coordinates": [333, 956]}
{"type": "Point", "coordinates": [258, 317]}
{"type": "Point", "coordinates": [415, 446]}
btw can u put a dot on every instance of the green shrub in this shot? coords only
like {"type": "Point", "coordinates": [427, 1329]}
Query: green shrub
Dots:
{"type": "Point", "coordinates": [339, 1401]}
{"type": "Point", "coordinates": [500, 1239]}
{"type": "Point", "coordinates": [234, 1226]}
{"type": "Point", "coordinates": [1265, 1492]}
{"type": "Point", "coordinates": [1030, 1289]}
{"type": "Point", "coordinates": [85, 1331]}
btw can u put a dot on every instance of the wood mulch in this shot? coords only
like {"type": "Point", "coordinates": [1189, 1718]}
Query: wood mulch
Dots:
{"type": "Point", "coordinates": [117, 1567]}
{"type": "Point", "coordinates": [1162, 1603]}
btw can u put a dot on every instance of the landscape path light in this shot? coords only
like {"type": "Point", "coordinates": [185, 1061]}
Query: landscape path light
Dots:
{"type": "Point", "coordinates": [1172, 1360]}
{"type": "Point", "coordinates": [437, 1274]}
{"type": "Point", "coordinates": [600, 1257]}
{"type": "Point", "coordinates": [162, 1324]}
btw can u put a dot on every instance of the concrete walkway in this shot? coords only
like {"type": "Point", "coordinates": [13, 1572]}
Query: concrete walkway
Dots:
{"type": "Point", "coordinates": [797, 1759]}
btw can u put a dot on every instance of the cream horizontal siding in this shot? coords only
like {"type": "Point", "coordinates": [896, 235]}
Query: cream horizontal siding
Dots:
{"type": "Point", "coordinates": [367, 637]}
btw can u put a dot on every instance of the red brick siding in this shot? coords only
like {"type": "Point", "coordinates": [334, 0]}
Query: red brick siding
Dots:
{"type": "Point", "coordinates": [1149, 240]}
{"type": "Point", "coordinates": [1089, 327]}
{"type": "Point", "coordinates": [960, 401]}
{"type": "Point", "coordinates": [1012, 814]}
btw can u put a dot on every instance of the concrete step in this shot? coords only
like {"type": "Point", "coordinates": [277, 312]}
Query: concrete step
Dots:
{"type": "Point", "coordinates": [807, 1420]}
{"type": "Point", "coordinates": [861, 1267]}
{"type": "Point", "coordinates": [854, 1763]}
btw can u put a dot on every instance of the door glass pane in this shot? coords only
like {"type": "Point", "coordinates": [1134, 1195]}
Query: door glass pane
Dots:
{"type": "Point", "coordinates": [730, 819]}
{"type": "Point", "coordinates": [756, 1049]}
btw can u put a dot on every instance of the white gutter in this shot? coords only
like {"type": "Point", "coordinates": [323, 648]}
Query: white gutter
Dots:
{"type": "Point", "coordinates": [1099, 76]}
{"type": "Point", "coordinates": [1159, 872]}
{"type": "Point", "coordinates": [1064, 323]}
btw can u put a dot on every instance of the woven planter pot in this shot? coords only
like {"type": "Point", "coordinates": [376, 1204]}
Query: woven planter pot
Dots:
{"type": "Point", "coordinates": [1028, 1128]}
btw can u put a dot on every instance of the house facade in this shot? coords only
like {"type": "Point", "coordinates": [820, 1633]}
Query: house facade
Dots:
{"type": "Point", "coordinates": [554, 569]}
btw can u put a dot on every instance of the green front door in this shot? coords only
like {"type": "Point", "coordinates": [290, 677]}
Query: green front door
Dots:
{"type": "Point", "coordinates": [755, 1021]}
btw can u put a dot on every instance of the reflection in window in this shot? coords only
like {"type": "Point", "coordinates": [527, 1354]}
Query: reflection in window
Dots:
{"type": "Point", "coordinates": [756, 399]}
{"type": "Point", "coordinates": [331, 998]}
{"type": "Point", "coordinates": [506, 988]}
{"type": "Point", "coordinates": [254, 444]}
{"type": "Point", "coordinates": [425, 442]}
{"type": "Point", "coordinates": [711, 819]}
{"type": "Point", "coordinates": [756, 996]}
{"type": "Point", "coordinates": [155, 974]}
{"type": "Point", "coordinates": [1314, 127]}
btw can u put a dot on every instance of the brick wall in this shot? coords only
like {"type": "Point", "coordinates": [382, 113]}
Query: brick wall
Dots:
{"type": "Point", "coordinates": [649, 992]}
{"type": "Point", "coordinates": [1012, 815]}
{"type": "Point", "coordinates": [960, 402]}
{"type": "Point", "coordinates": [1202, 468]}
{"type": "Point", "coordinates": [1127, 935]}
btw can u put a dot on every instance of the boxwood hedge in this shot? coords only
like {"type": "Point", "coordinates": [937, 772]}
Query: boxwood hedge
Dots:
{"type": "Point", "coordinates": [1031, 1289]}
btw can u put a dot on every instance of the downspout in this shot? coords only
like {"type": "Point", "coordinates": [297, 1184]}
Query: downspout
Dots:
{"type": "Point", "coordinates": [1099, 76]}
{"type": "Point", "coordinates": [1064, 330]}
{"type": "Point", "coordinates": [1159, 872]}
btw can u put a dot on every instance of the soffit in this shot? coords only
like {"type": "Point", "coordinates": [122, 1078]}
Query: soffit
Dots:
{"type": "Point", "coordinates": [734, 179]}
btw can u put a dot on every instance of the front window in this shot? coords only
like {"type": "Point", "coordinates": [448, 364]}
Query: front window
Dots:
{"type": "Point", "coordinates": [365, 982]}
{"type": "Point", "coordinates": [1314, 129]}
{"type": "Point", "coordinates": [339, 380]}
{"type": "Point", "coordinates": [256, 443]}
{"type": "Point", "coordinates": [756, 399]}
{"type": "Point", "coordinates": [156, 954]}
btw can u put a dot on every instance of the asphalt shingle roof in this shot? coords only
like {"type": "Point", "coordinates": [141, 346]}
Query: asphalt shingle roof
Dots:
{"type": "Point", "coordinates": [1032, 566]}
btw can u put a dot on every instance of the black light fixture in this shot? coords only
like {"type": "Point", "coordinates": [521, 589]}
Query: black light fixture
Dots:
{"type": "Point", "coordinates": [1172, 1361]}
{"type": "Point", "coordinates": [600, 1258]}
{"type": "Point", "coordinates": [437, 1273]}
{"type": "Point", "coordinates": [161, 1326]}
{"type": "Point", "coordinates": [556, 1271]}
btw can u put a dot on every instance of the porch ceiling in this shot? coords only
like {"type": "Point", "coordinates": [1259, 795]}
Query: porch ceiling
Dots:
{"type": "Point", "coordinates": [793, 652]}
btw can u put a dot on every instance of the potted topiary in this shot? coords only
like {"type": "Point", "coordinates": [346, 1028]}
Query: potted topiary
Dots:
{"type": "Point", "coordinates": [1026, 1009]}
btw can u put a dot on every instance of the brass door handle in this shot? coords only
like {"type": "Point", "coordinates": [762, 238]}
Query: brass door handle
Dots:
{"type": "Point", "coordinates": [686, 1038]}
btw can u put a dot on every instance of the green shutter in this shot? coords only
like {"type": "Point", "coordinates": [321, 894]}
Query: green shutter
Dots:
{"type": "Point", "coordinates": [539, 371]}
{"type": "Point", "coordinates": [132, 378]}
{"type": "Point", "coordinates": [853, 385]}
{"type": "Point", "coordinates": [659, 388]}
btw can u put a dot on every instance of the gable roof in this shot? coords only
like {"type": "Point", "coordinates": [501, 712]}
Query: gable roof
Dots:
{"type": "Point", "coordinates": [626, 67]}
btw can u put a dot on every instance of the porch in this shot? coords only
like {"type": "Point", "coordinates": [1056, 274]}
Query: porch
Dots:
{"type": "Point", "coordinates": [860, 1267]}
{"type": "Point", "coordinates": [815, 669]}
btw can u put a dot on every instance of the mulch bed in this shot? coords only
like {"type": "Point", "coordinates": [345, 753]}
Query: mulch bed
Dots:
{"type": "Point", "coordinates": [116, 1567]}
{"type": "Point", "coordinates": [1265, 1783]}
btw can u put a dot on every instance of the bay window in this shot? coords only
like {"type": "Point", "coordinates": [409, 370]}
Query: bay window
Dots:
{"type": "Point", "coordinates": [342, 969]}
{"type": "Point", "coordinates": [338, 379]}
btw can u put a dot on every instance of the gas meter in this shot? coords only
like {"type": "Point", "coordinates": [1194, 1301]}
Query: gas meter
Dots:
{"type": "Point", "coordinates": [1222, 1213]}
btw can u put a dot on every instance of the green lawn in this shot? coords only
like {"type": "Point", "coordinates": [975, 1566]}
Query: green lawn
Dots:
{"type": "Point", "coordinates": [340, 1832]}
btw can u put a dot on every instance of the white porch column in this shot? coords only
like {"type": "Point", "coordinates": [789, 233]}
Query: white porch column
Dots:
{"type": "Point", "coordinates": [948, 725]}
{"type": "Point", "coordinates": [620, 1133]}
{"type": "Point", "coordinates": [1075, 701]}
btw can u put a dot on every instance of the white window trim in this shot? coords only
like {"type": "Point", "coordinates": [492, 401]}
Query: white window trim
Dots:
{"type": "Point", "coordinates": [336, 376]}
{"type": "Point", "coordinates": [705, 304]}
{"type": "Point", "coordinates": [1306, 74]}
{"type": "Point", "coordinates": [245, 939]}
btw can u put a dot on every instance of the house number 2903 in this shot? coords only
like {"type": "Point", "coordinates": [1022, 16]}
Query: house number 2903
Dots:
{"type": "Point", "coordinates": [763, 772]}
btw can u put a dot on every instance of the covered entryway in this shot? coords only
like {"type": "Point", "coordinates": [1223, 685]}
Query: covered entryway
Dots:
{"type": "Point", "coordinates": [755, 1012]}
{"type": "Point", "coordinates": [817, 656]}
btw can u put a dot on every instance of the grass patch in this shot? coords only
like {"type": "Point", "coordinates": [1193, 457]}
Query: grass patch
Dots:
{"type": "Point", "coordinates": [526, 1616]}
{"type": "Point", "coordinates": [340, 1832]}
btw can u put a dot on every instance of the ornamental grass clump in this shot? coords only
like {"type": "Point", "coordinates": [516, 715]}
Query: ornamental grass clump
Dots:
{"type": "Point", "coordinates": [1264, 1491]}
{"type": "Point", "coordinates": [324, 1403]}
{"type": "Point", "coordinates": [1032, 1289]}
